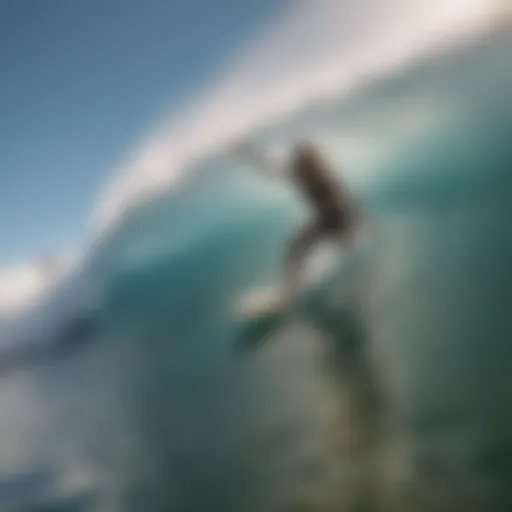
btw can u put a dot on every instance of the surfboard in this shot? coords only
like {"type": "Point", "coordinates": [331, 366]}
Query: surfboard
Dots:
{"type": "Point", "coordinates": [261, 313]}
{"type": "Point", "coordinates": [261, 303]}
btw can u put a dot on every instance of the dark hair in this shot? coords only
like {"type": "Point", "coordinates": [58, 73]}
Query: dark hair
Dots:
{"type": "Point", "coordinates": [305, 153]}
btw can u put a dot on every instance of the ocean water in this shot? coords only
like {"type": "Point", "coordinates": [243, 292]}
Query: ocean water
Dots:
{"type": "Point", "coordinates": [397, 397]}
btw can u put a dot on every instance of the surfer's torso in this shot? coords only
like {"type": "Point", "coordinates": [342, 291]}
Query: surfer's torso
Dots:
{"type": "Point", "coordinates": [323, 193]}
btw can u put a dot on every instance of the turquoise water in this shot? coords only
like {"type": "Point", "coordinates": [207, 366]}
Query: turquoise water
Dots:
{"type": "Point", "coordinates": [156, 410]}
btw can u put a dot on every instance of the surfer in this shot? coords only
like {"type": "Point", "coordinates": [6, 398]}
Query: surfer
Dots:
{"type": "Point", "coordinates": [334, 212]}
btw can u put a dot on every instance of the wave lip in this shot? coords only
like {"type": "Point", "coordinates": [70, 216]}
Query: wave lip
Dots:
{"type": "Point", "coordinates": [294, 61]}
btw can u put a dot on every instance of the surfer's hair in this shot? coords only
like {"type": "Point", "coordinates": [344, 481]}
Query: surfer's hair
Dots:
{"type": "Point", "coordinates": [306, 153]}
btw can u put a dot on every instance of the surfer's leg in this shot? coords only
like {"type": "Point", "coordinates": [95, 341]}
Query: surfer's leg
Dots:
{"type": "Point", "coordinates": [344, 230]}
{"type": "Point", "coordinates": [295, 253]}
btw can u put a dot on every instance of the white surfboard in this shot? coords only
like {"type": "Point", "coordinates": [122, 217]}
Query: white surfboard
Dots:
{"type": "Point", "coordinates": [262, 312]}
{"type": "Point", "coordinates": [262, 302]}
{"type": "Point", "coordinates": [272, 300]}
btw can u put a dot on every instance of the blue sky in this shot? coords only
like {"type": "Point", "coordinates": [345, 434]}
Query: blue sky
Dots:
{"type": "Point", "coordinates": [82, 81]}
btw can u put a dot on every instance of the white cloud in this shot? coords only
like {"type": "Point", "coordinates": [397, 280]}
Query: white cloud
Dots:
{"type": "Point", "coordinates": [317, 48]}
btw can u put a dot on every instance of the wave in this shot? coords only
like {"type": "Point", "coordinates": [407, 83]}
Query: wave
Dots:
{"type": "Point", "coordinates": [315, 51]}
{"type": "Point", "coordinates": [75, 292]}
{"type": "Point", "coordinates": [158, 413]}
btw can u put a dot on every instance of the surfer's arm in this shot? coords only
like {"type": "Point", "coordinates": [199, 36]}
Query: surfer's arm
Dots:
{"type": "Point", "coordinates": [259, 160]}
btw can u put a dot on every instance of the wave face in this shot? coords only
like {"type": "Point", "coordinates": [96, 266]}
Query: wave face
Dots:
{"type": "Point", "coordinates": [143, 403]}
{"type": "Point", "coordinates": [309, 51]}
